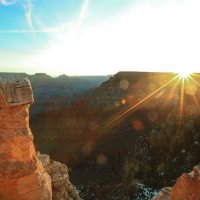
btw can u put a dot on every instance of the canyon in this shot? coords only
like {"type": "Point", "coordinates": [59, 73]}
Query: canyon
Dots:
{"type": "Point", "coordinates": [125, 134]}
{"type": "Point", "coordinates": [52, 93]}
{"type": "Point", "coordinates": [125, 139]}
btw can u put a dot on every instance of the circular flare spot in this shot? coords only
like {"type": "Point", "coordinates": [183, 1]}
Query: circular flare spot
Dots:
{"type": "Point", "coordinates": [124, 84]}
{"type": "Point", "coordinates": [123, 101]}
{"type": "Point", "coordinates": [117, 103]}
{"type": "Point", "coordinates": [152, 116]}
{"type": "Point", "coordinates": [138, 125]}
{"type": "Point", "coordinates": [101, 159]}
{"type": "Point", "coordinates": [88, 148]}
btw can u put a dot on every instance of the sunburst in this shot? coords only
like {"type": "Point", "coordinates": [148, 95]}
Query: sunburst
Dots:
{"type": "Point", "coordinates": [184, 74]}
{"type": "Point", "coordinates": [178, 81]}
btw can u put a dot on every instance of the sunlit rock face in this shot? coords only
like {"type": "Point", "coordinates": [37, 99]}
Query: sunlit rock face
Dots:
{"type": "Point", "coordinates": [186, 187]}
{"type": "Point", "coordinates": [22, 176]}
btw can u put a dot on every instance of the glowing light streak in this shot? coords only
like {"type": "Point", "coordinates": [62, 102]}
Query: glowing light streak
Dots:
{"type": "Point", "coordinates": [134, 107]}
{"type": "Point", "coordinates": [181, 104]}
{"type": "Point", "coordinates": [192, 92]}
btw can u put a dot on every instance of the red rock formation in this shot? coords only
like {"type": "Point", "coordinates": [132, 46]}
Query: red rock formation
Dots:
{"type": "Point", "coordinates": [22, 176]}
{"type": "Point", "coordinates": [187, 187]}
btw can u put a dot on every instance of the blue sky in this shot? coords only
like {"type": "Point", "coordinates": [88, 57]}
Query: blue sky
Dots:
{"type": "Point", "coordinates": [79, 37]}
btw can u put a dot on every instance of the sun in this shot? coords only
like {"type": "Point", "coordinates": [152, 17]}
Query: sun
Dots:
{"type": "Point", "coordinates": [184, 74]}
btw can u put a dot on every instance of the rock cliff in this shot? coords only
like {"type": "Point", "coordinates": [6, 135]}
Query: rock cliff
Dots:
{"type": "Point", "coordinates": [186, 187]}
{"type": "Point", "coordinates": [62, 188]}
{"type": "Point", "coordinates": [22, 174]}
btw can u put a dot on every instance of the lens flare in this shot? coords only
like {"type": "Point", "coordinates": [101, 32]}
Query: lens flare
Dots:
{"type": "Point", "coordinates": [180, 89]}
{"type": "Point", "coordinates": [184, 74]}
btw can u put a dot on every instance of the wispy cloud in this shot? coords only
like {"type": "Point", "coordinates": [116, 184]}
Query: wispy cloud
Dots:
{"type": "Point", "coordinates": [123, 44]}
{"type": "Point", "coordinates": [7, 3]}
{"type": "Point", "coordinates": [28, 13]}
{"type": "Point", "coordinates": [83, 12]}
{"type": "Point", "coordinates": [27, 5]}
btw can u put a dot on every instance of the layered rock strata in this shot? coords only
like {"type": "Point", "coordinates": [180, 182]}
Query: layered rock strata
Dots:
{"type": "Point", "coordinates": [22, 176]}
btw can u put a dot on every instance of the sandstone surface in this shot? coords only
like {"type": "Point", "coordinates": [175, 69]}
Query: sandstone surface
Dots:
{"type": "Point", "coordinates": [22, 176]}
{"type": "Point", "coordinates": [187, 187]}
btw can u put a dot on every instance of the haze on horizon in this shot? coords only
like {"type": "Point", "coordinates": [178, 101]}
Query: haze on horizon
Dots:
{"type": "Point", "coordinates": [90, 37]}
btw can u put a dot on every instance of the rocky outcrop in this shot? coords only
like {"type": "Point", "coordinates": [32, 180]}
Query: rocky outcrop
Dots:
{"type": "Point", "coordinates": [22, 176]}
{"type": "Point", "coordinates": [186, 187]}
{"type": "Point", "coordinates": [61, 186]}
{"type": "Point", "coordinates": [165, 194]}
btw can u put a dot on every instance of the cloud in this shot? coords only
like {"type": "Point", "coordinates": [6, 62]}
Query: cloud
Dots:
{"type": "Point", "coordinates": [27, 5]}
{"type": "Point", "coordinates": [28, 13]}
{"type": "Point", "coordinates": [7, 3]}
{"type": "Point", "coordinates": [83, 12]}
{"type": "Point", "coordinates": [145, 38]}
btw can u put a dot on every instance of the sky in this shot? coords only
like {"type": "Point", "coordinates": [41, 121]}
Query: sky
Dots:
{"type": "Point", "coordinates": [99, 37]}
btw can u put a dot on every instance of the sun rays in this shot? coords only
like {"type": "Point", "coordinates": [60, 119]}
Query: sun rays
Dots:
{"type": "Point", "coordinates": [184, 74]}
{"type": "Point", "coordinates": [176, 88]}
{"type": "Point", "coordinates": [181, 100]}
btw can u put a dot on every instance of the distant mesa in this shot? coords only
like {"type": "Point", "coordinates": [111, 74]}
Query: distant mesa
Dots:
{"type": "Point", "coordinates": [63, 76]}
{"type": "Point", "coordinates": [42, 75]}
